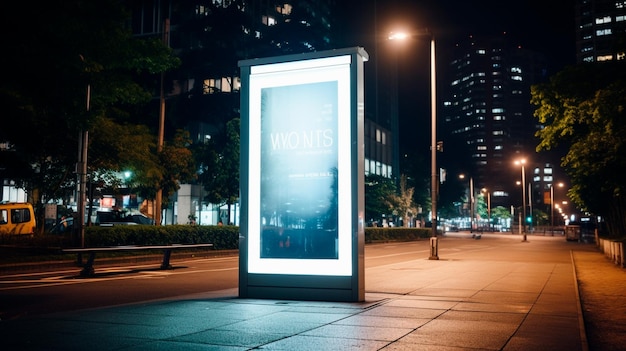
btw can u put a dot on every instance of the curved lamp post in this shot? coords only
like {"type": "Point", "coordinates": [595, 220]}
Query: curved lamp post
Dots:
{"type": "Point", "coordinates": [433, 145]}
{"type": "Point", "coordinates": [522, 162]}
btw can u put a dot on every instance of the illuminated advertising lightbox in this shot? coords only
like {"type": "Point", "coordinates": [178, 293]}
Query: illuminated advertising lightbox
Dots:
{"type": "Point", "coordinates": [301, 164]}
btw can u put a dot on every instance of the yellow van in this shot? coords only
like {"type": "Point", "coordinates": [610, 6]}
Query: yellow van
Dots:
{"type": "Point", "coordinates": [17, 218]}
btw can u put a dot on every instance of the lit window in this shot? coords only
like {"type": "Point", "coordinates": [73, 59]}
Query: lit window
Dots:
{"type": "Point", "coordinates": [223, 3]}
{"type": "Point", "coordinates": [284, 10]}
{"type": "Point", "coordinates": [226, 86]}
{"type": "Point", "coordinates": [606, 31]}
{"type": "Point", "coordinates": [605, 58]}
{"type": "Point", "coordinates": [605, 19]}
{"type": "Point", "coordinates": [269, 21]}
{"type": "Point", "coordinates": [519, 78]}
{"type": "Point", "coordinates": [480, 51]}
{"type": "Point", "coordinates": [497, 147]}
{"type": "Point", "coordinates": [208, 86]}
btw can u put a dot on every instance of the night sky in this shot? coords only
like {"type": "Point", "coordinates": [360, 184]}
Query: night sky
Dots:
{"type": "Point", "coordinates": [545, 26]}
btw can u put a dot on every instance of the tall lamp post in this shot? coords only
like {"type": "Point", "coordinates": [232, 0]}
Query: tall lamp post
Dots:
{"type": "Point", "coordinates": [433, 142]}
{"type": "Point", "coordinates": [488, 207]}
{"type": "Point", "coordinates": [522, 162]}
{"type": "Point", "coordinates": [552, 206]}
{"type": "Point", "coordinates": [471, 200]}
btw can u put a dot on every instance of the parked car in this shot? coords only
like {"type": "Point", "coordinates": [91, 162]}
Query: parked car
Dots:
{"type": "Point", "coordinates": [106, 219]}
{"type": "Point", "coordinates": [65, 225]}
{"type": "Point", "coordinates": [122, 217]}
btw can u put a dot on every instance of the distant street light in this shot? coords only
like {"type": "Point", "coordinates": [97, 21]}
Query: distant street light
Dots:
{"type": "Point", "coordinates": [552, 205]}
{"type": "Point", "coordinates": [522, 162]}
{"type": "Point", "coordinates": [471, 200]}
{"type": "Point", "coordinates": [488, 206]}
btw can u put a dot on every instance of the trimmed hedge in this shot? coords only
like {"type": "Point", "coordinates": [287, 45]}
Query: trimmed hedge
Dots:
{"type": "Point", "coordinates": [222, 237]}
{"type": "Point", "coordinates": [382, 234]}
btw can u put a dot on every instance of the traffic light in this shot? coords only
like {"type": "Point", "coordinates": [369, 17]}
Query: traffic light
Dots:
{"type": "Point", "coordinates": [529, 219]}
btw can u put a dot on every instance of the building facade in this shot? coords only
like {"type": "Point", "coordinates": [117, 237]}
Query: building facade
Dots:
{"type": "Point", "coordinates": [600, 30]}
{"type": "Point", "coordinates": [214, 38]}
{"type": "Point", "coordinates": [487, 115]}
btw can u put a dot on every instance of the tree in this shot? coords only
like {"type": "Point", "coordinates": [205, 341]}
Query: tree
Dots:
{"type": "Point", "coordinates": [402, 203]}
{"type": "Point", "coordinates": [57, 53]}
{"type": "Point", "coordinates": [377, 191]}
{"type": "Point", "coordinates": [500, 214]}
{"type": "Point", "coordinates": [220, 168]}
{"type": "Point", "coordinates": [584, 107]}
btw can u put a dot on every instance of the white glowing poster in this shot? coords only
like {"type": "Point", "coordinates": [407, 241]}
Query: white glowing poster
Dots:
{"type": "Point", "coordinates": [299, 167]}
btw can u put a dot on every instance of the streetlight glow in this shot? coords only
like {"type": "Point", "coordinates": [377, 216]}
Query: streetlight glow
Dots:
{"type": "Point", "coordinates": [522, 162]}
{"type": "Point", "coordinates": [471, 201]}
{"type": "Point", "coordinates": [485, 190]}
{"type": "Point", "coordinates": [398, 36]}
{"type": "Point", "coordinates": [560, 185]}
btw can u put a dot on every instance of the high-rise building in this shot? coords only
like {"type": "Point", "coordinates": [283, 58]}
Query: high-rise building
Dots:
{"type": "Point", "coordinates": [487, 116]}
{"type": "Point", "coordinates": [600, 30]}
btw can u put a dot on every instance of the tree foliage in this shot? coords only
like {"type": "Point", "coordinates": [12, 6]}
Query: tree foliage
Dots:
{"type": "Point", "coordinates": [377, 191]}
{"type": "Point", "coordinates": [402, 202]}
{"type": "Point", "coordinates": [583, 108]}
{"type": "Point", "coordinates": [57, 52]}
{"type": "Point", "coordinates": [219, 166]}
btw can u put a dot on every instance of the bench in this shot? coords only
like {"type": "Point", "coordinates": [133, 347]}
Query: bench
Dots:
{"type": "Point", "coordinates": [88, 269]}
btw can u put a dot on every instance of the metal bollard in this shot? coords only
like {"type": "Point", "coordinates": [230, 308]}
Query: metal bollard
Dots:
{"type": "Point", "coordinates": [434, 249]}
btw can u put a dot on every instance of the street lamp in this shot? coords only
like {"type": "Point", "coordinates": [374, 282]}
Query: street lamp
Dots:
{"type": "Point", "coordinates": [488, 206]}
{"type": "Point", "coordinates": [471, 201]}
{"type": "Point", "coordinates": [552, 206]}
{"type": "Point", "coordinates": [522, 162]}
{"type": "Point", "coordinates": [433, 142]}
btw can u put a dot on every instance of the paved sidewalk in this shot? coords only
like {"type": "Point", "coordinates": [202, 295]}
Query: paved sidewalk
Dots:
{"type": "Point", "coordinates": [513, 296]}
{"type": "Point", "coordinates": [602, 286]}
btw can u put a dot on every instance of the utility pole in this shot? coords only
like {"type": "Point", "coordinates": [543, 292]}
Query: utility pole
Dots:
{"type": "Point", "coordinates": [159, 194]}
{"type": "Point", "coordinates": [83, 146]}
